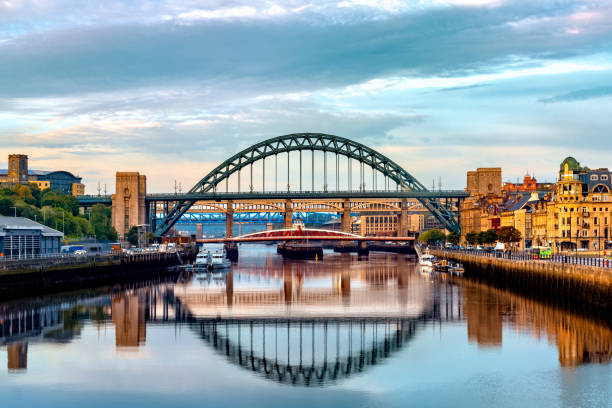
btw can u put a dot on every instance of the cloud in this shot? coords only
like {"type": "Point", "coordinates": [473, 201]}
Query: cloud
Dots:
{"type": "Point", "coordinates": [286, 55]}
{"type": "Point", "coordinates": [580, 95]}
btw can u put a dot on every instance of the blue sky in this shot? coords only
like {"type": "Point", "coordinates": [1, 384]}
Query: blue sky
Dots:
{"type": "Point", "coordinates": [172, 88]}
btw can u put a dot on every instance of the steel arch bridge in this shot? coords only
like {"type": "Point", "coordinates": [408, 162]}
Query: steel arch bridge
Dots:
{"type": "Point", "coordinates": [300, 142]}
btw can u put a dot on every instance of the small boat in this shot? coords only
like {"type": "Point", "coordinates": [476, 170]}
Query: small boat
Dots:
{"type": "Point", "coordinates": [213, 260]}
{"type": "Point", "coordinates": [441, 266]}
{"type": "Point", "coordinates": [427, 260]}
{"type": "Point", "coordinates": [456, 269]}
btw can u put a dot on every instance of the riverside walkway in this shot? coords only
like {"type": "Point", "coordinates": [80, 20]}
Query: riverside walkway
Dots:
{"type": "Point", "coordinates": [585, 280]}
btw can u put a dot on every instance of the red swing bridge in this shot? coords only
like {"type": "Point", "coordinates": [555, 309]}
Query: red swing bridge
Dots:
{"type": "Point", "coordinates": [301, 234]}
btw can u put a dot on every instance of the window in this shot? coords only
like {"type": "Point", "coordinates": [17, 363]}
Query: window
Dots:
{"type": "Point", "coordinates": [595, 221]}
{"type": "Point", "coordinates": [594, 177]}
{"type": "Point", "coordinates": [603, 177]}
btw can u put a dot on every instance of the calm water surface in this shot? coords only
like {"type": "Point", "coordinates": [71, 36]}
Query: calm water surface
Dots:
{"type": "Point", "coordinates": [339, 332]}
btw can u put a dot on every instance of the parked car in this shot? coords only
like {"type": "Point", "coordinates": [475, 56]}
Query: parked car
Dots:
{"type": "Point", "coordinates": [80, 252]}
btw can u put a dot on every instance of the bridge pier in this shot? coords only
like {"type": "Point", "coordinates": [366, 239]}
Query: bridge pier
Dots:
{"type": "Point", "coordinates": [345, 217]}
{"type": "Point", "coordinates": [229, 220]}
{"type": "Point", "coordinates": [231, 251]}
{"type": "Point", "coordinates": [402, 219]}
{"type": "Point", "coordinates": [362, 248]}
{"type": "Point", "coordinates": [288, 214]}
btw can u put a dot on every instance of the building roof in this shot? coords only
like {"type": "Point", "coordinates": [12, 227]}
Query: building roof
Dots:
{"type": "Point", "coordinates": [572, 164]}
{"type": "Point", "coordinates": [4, 172]}
{"type": "Point", "coordinates": [23, 223]}
{"type": "Point", "coordinates": [519, 201]}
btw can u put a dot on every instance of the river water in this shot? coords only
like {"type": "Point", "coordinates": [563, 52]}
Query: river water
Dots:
{"type": "Point", "coordinates": [339, 332]}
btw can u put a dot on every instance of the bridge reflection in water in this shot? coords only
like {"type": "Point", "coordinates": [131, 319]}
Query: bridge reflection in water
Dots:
{"type": "Point", "coordinates": [304, 323]}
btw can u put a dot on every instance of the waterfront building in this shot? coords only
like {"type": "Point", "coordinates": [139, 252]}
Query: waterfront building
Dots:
{"type": "Point", "coordinates": [23, 238]}
{"type": "Point", "coordinates": [574, 213]}
{"type": "Point", "coordinates": [581, 209]}
{"type": "Point", "coordinates": [481, 210]}
{"type": "Point", "coordinates": [58, 180]}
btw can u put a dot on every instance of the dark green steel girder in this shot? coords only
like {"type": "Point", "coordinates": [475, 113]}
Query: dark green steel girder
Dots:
{"type": "Point", "coordinates": [308, 141]}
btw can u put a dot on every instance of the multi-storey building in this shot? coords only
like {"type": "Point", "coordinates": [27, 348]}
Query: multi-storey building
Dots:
{"type": "Point", "coordinates": [18, 173]}
{"type": "Point", "coordinates": [575, 213]}
{"type": "Point", "coordinates": [581, 209]}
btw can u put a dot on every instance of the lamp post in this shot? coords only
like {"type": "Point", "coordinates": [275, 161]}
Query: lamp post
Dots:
{"type": "Point", "coordinates": [15, 208]}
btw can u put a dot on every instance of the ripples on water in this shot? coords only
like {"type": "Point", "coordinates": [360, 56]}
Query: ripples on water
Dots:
{"type": "Point", "coordinates": [343, 331]}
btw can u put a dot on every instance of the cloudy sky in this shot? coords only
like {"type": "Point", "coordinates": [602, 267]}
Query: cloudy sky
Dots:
{"type": "Point", "coordinates": [171, 88]}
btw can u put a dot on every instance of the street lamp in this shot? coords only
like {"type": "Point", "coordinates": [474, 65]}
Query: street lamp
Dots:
{"type": "Point", "coordinates": [15, 208]}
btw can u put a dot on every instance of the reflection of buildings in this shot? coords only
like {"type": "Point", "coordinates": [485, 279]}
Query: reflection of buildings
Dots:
{"type": "Point", "coordinates": [484, 317]}
{"type": "Point", "coordinates": [17, 354]}
{"type": "Point", "coordinates": [128, 313]}
{"type": "Point", "coordinates": [341, 286]}
{"type": "Point", "coordinates": [579, 340]}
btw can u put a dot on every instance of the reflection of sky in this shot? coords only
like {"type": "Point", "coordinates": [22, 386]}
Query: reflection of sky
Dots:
{"type": "Point", "coordinates": [438, 368]}
{"type": "Point", "coordinates": [438, 365]}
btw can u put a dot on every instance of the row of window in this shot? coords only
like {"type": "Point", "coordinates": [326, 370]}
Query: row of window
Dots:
{"type": "Point", "coordinates": [595, 177]}
{"type": "Point", "coordinates": [585, 234]}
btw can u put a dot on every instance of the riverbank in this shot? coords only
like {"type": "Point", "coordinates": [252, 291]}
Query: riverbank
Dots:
{"type": "Point", "coordinates": [41, 276]}
{"type": "Point", "coordinates": [589, 285]}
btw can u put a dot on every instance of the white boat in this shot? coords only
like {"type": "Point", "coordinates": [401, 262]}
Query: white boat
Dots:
{"type": "Point", "coordinates": [213, 260]}
{"type": "Point", "coordinates": [426, 260]}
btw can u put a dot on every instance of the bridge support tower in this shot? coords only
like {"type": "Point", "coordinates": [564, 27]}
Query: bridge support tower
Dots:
{"type": "Point", "coordinates": [402, 219]}
{"type": "Point", "coordinates": [345, 218]}
{"type": "Point", "coordinates": [229, 220]}
{"type": "Point", "coordinates": [129, 202]}
{"type": "Point", "coordinates": [288, 214]}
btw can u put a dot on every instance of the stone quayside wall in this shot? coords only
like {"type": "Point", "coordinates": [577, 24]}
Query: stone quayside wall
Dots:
{"type": "Point", "coordinates": [580, 283]}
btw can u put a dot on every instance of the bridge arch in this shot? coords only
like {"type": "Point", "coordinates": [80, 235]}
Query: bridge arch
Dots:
{"type": "Point", "coordinates": [340, 146]}
{"type": "Point", "coordinates": [319, 359]}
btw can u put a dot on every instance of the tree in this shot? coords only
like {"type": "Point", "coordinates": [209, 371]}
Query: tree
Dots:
{"type": "Point", "coordinates": [432, 236]}
{"type": "Point", "coordinates": [471, 238]}
{"type": "Point", "coordinates": [100, 219]}
{"type": "Point", "coordinates": [5, 206]}
{"type": "Point", "coordinates": [508, 235]}
{"type": "Point", "coordinates": [132, 235]}
{"type": "Point", "coordinates": [488, 237]}
{"type": "Point", "coordinates": [453, 238]}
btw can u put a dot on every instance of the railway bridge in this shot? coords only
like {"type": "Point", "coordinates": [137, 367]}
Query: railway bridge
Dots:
{"type": "Point", "coordinates": [295, 173]}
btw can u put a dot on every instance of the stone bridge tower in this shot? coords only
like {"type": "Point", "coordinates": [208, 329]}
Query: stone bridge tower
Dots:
{"type": "Point", "coordinates": [129, 202]}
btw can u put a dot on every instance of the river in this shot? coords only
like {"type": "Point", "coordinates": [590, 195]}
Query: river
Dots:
{"type": "Point", "coordinates": [339, 332]}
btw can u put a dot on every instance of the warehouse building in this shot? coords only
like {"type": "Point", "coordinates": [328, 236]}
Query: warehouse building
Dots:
{"type": "Point", "coordinates": [23, 238]}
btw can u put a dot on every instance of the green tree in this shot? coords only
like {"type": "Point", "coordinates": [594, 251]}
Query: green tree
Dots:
{"type": "Point", "coordinates": [488, 237]}
{"type": "Point", "coordinates": [508, 235]}
{"type": "Point", "coordinates": [453, 238]}
{"type": "Point", "coordinates": [100, 219]}
{"type": "Point", "coordinates": [5, 206]}
{"type": "Point", "coordinates": [432, 236]}
{"type": "Point", "coordinates": [471, 238]}
{"type": "Point", "coordinates": [132, 235]}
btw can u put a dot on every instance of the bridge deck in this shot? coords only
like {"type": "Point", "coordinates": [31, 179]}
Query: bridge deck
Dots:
{"type": "Point", "coordinates": [283, 195]}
